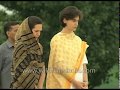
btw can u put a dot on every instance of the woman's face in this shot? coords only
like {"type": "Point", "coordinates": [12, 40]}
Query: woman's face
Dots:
{"type": "Point", "coordinates": [72, 24]}
{"type": "Point", "coordinates": [37, 30]}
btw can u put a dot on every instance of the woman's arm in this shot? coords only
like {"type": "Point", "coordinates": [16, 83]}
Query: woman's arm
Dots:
{"type": "Point", "coordinates": [85, 76]}
{"type": "Point", "coordinates": [42, 78]}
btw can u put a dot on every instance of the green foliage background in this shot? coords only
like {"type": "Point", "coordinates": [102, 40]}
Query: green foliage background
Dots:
{"type": "Point", "coordinates": [99, 27]}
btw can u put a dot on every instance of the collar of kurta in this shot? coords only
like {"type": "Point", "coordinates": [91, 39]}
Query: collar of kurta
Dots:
{"type": "Point", "coordinates": [68, 35]}
{"type": "Point", "coordinates": [9, 44]}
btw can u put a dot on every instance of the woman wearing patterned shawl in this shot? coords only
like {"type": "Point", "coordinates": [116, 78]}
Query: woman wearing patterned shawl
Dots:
{"type": "Point", "coordinates": [28, 66]}
{"type": "Point", "coordinates": [67, 60]}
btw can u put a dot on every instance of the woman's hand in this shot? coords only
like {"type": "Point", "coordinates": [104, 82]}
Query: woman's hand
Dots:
{"type": "Point", "coordinates": [85, 85]}
{"type": "Point", "coordinates": [80, 85]}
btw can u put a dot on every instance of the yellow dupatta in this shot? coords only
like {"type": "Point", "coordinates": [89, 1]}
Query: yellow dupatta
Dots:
{"type": "Point", "coordinates": [78, 64]}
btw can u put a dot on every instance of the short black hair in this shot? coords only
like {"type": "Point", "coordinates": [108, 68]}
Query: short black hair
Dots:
{"type": "Point", "coordinates": [33, 20]}
{"type": "Point", "coordinates": [69, 13]}
{"type": "Point", "coordinates": [7, 26]}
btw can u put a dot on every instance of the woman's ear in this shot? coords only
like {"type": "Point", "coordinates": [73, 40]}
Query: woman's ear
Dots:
{"type": "Point", "coordinates": [64, 20]}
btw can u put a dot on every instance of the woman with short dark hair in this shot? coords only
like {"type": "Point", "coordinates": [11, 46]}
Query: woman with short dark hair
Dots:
{"type": "Point", "coordinates": [67, 54]}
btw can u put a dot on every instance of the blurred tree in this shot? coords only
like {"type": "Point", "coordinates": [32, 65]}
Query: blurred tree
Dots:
{"type": "Point", "coordinates": [2, 36]}
{"type": "Point", "coordinates": [5, 17]}
{"type": "Point", "coordinates": [99, 28]}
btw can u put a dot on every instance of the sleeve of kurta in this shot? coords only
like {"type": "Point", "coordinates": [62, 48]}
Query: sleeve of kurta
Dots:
{"type": "Point", "coordinates": [60, 64]}
{"type": "Point", "coordinates": [85, 60]}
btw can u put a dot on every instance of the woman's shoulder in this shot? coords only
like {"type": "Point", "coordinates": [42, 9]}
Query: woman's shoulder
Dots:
{"type": "Point", "coordinates": [56, 37]}
{"type": "Point", "coordinates": [40, 45]}
{"type": "Point", "coordinates": [78, 38]}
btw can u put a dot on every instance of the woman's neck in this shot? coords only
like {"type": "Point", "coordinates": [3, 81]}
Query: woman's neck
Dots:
{"type": "Point", "coordinates": [66, 30]}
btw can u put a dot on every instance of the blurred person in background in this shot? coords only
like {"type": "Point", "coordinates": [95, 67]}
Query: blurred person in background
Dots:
{"type": "Point", "coordinates": [6, 53]}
